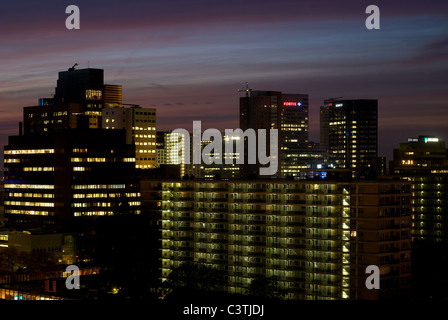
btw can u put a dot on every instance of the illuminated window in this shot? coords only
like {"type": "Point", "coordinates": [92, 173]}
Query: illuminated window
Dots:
{"type": "Point", "coordinates": [28, 186]}
{"type": "Point", "coordinates": [94, 95]}
{"type": "Point", "coordinates": [78, 150]}
{"type": "Point", "coordinates": [12, 161]}
{"type": "Point", "coordinates": [33, 151]}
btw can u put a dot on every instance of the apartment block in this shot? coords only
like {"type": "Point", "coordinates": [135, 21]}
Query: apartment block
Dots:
{"type": "Point", "coordinates": [317, 237]}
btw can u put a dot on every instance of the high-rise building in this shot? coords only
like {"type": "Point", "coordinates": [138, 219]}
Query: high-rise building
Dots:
{"type": "Point", "coordinates": [53, 178]}
{"type": "Point", "coordinates": [424, 162]}
{"type": "Point", "coordinates": [161, 150]}
{"type": "Point", "coordinates": [140, 126]}
{"type": "Point", "coordinates": [349, 133]}
{"type": "Point", "coordinates": [316, 237]}
{"type": "Point", "coordinates": [53, 118]}
{"type": "Point", "coordinates": [83, 86]}
{"type": "Point", "coordinates": [288, 113]}
{"type": "Point", "coordinates": [112, 96]}
{"type": "Point", "coordinates": [80, 96]}
{"type": "Point", "coordinates": [419, 154]}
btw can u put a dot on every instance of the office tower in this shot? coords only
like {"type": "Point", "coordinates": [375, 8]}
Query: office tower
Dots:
{"type": "Point", "coordinates": [424, 162]}
{"type": "Point", "coordinates": [349, 134]}
{"type": "Point", "coordinates": [225, 165]}
{"type": "Point", "coordinates": [316, 237]}
{"type": "Point", "coordinates": [83, 86]}
{"type": "Point", "coordinates": [381, 166]}
{"type": "Point", "coordinates": [46, 102]}
{"type": "Point", "coordinates": [171, 150]}
{"type": "Point", "coordinates": [419, 154]}
{"type": "Point", "coordinates": [113, 96]}
{"type": "Point", "coordinates": [53, 178]}
{"type": "Point", "coordinates": [288, 113]}
{"type": "Point", "coordinates": [2, 197]}
{"type": "Point", "coordinates": [161, 147]}
{"type": "Point", "coordinates": [324, 128]}
{"type": "Point", "coordinates": [140, 126]}
{"type": "Point", "coordinates": [53, 118]}
{"type": "Point", "coordinates": [79, 98]}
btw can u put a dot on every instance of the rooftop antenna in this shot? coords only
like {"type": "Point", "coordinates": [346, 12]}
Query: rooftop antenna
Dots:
{"type": "Point", "coordinates": [247, 90]}
{"type": "Point", "coordinates": [72, 68]}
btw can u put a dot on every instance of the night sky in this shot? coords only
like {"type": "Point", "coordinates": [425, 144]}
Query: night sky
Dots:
{"type": "Point", "coordinates": [188, 58]}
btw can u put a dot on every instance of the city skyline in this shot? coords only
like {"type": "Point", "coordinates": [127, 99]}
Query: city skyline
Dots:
{"type": "Point", "coordinates": [224, 152]}
{"type": "Point", "coordinates": [189, 60]}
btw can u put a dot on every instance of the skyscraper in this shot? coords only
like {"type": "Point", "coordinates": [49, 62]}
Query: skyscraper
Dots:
{"type": "Point", "coordinates": [112, 96]}
{"type": "Point", "coordinates": [424, 162]}
{"type": "Point", "coordinates": [288, 113]}
{"type": "Point", "coordinates": [83, 86]}
{"type": "Point", "coordinates": [140, 126]}
{"type": "Point", "coordinates": [54, 178]}
{"type": "Point", "coordinates": [349, 133]}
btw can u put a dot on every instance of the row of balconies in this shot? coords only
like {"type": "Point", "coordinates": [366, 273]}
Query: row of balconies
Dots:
{"type": "Point", "coordinates": [309, 237]}
{"type": "Point", "coordinates": [261, 224]}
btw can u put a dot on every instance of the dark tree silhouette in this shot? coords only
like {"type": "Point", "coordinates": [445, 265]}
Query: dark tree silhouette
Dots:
{"type": "Point", "coordinates": [267, 287]}
{"type": "Point", "coordinates": [193, 276]}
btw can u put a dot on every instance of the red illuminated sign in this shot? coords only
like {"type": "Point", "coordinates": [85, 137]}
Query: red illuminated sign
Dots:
{"type": "Point", "coordinates": [292, 104]}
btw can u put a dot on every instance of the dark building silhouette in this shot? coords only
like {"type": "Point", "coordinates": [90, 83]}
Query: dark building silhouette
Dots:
{"type": "Point", "coordinates": [53, 178]}
{"type": "Point", "coordinates": [349, 134]}
{"type": "Point", "coordinates": [84, 86]}
{"type": "Point", "coordinates": [288, 113]}
{"type": "Point", "coordinates": [424, 162]}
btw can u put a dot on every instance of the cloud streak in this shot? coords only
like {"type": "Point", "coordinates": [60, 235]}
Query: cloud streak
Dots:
{"type": "Point", "coordinates": [188, 58]}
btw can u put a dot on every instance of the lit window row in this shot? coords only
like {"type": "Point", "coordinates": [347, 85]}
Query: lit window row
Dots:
{"type": "Point", "coordinates": [97, 186]}
{"type": "Point", "coordinates": [93, 213]}
{"type": "Point", "coordinates": [38, 169]}
{"type": "Point", "coordinates": [145, 136]}
{"type": "Point", "coordinates": [145, 143]}
{"type": "Point", "coordinates": [29, 204]}
{"type": "Point", "coordinates": [88, 159]}
{"type": "Point", "coordinates": [141, 128]}
{"type": "Point", "coordinates": [12, 161]}
{"type": "Point", "coordinates": [32, 151]}
{"type": "Point", "coordinates": [147, 151]}
{"type": "Point", "coordinates": [93, 204]}
{"type": "Point", "coordinates": [77, 150]}
{"type": "Point", "coordinates": [94, 95]}
{"type": "Point", "coordinates": [31, 195]}
{"type": "Point", "coordinates": [27, 212]}
{"type": "Point", "coordinates": [29, 186]}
